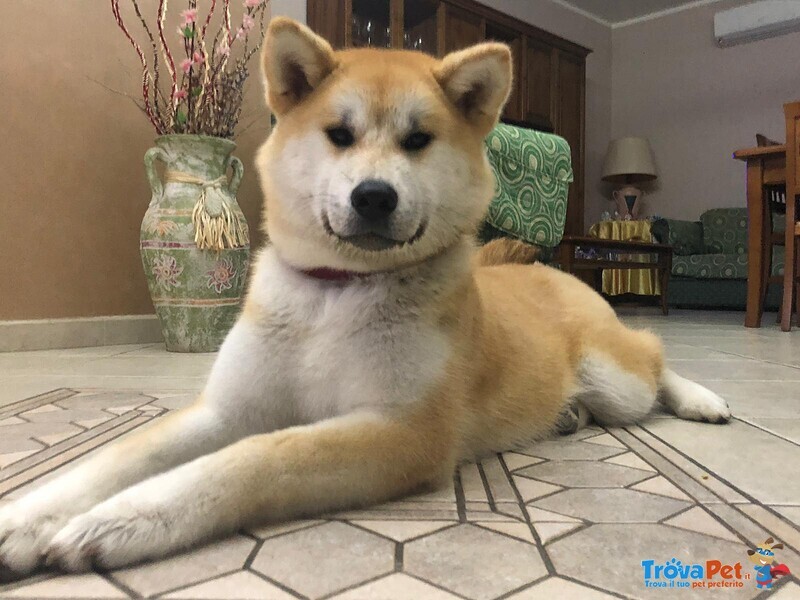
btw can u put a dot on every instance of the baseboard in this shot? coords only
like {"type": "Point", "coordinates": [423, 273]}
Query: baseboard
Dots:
{"type": "Point", "coordinates": [46, 334]}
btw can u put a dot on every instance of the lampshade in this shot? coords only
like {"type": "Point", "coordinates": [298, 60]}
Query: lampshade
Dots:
{"type": "Point", "coordinates": [629, 160]}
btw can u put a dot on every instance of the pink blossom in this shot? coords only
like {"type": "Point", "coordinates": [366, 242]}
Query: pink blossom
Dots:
{"type": "Point", "coordinates": [189, 16]}
{"type": "Point", "coordinates": [248, 22]}
{"type": "Point", "coordinates": [181, 95]}
{"type": "Point", "coordinates": [197, 58]}
{"type": "Point", "coordinates": [186, 65]}
{"type": "Point", "coordinates": [224, 49]}
{"type": "Point", "coordinates": [252, 3]}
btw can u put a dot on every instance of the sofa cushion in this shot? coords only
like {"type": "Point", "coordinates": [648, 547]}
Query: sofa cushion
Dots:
{"type": "Point", "coordinates": [532, 171]}
{"type": "Point", "coordinates": [722, 266]}
{"type": "Point", "coordinates": [725, 230]}
{"type": "Point", "coordinates": [711, 266]}
{"type": "Point", "coordinates": [685, 237]}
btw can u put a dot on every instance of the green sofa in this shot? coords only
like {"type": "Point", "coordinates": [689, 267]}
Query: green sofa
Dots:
{"type": "Point", "coordinates": [532, 172]}
{"type": "Point", "coordinates": [709, 265]}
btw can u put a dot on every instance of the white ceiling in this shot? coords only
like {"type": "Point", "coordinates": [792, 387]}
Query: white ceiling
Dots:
{"type": "Point", "coordinates": [616, 11]}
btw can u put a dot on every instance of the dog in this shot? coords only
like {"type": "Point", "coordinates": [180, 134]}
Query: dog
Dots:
{"type": "Point", "coordinates": [377, 347]}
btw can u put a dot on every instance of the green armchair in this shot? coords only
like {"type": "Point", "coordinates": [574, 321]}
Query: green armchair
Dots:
{"type": "Point", "coordinates": [532, 171]}
{"type": "Point", "coordinates": [709, 265]}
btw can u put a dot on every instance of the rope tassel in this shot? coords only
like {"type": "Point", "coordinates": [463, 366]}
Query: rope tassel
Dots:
{"type": "Point", "coordinates": [216, 225]}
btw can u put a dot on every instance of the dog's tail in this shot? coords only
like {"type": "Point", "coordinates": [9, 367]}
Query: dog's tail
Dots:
{"type": "Point", "coordinates": [503, 251]}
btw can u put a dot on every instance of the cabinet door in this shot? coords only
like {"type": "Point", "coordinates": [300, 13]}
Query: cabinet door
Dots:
{"type": "Point", "coordinates": [370, 23]}
{"type": "Point", "coordinates": [330, 19]}
{"type": "Point", "coordinates": [539, 97]}
{"type": "Point", "coordinates": [571, 84]}
{"type": "Point", "coordinates": [461, 29]}
{"type": "Point", "coordinates": [514, 106]}
{"type": "Point", "coordinates": [420, 25]}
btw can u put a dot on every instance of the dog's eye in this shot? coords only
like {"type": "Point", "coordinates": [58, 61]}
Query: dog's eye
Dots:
{"type": "Point", "coordinates": [341, 137]}
{"type": "Point", "coordinates": [416, 141]}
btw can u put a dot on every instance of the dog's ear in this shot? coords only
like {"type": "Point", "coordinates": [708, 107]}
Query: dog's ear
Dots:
{"type": "Point", "coordinates": [294, 61]}
{"type": "Point", "coordinates": [477, 80]}
{"type": "Point", "coordinates": [778, 546]}
{"type": "Point", "coordinates": [751, 552]}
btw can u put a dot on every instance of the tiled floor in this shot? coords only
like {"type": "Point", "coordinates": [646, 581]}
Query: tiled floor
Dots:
{"type": "Point", "coordinates": [568, 518]}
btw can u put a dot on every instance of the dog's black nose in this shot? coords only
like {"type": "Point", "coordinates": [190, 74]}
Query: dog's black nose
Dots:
{"type": "Point", "coordinates": [374, 199]}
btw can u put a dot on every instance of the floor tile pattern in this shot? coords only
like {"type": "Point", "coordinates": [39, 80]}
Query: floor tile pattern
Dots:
{"type": "Point", "coordinates": [571, 518]}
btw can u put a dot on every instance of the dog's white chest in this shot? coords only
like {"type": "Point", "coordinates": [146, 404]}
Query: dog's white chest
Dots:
{"type": "Point", "coordinates": [329, 349]}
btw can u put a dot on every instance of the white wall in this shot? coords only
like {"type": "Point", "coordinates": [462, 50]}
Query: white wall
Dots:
{"type": "Point", "coordinates": [697, 103]}
{"type": "Point", "coordinates": [296, 9]}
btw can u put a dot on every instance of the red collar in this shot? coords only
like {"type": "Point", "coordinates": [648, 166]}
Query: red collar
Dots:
{"type": "Point", "coordinates": [328, 274]}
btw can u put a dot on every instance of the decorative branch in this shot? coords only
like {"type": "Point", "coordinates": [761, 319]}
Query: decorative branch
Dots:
{"type": "Point", "coordinates": [206, 90]}
{"type": "Point", "coordinates": [142, 59]}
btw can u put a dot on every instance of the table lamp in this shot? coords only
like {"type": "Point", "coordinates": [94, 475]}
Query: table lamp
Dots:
{"type": "Point", "coordinates": [629, 161]}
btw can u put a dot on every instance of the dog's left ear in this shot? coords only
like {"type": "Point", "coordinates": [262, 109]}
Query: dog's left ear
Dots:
{"type": "Point", "coordinates": [477, 80]}
{"type": "Point", "coordinates": [294, 61]}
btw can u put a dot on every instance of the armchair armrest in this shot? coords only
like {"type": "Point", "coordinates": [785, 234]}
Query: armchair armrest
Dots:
{"type": "Point", "coordinates": [685, 237]}
{"type": "Point", "coordinates": [532, 172]}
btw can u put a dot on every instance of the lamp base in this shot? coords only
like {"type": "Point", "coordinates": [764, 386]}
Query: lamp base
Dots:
{"type": "Point", "coordinates": [628, 200]}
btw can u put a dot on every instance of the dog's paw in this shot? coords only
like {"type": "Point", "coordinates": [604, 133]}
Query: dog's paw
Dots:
{"type": "Point", "coordinates": [703, 405]}
{"type": "Point", "coordinates": [716, 412]}
{"type": "Point", "coordinates": [105, 539]}
{"type": "Point", "coordinates": [692, 401]}
{"type": "Point", "coordinates": [24, 535]}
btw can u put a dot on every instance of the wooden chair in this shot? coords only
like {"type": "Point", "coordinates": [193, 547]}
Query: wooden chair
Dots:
{"type": "Point", "coordinates": [791, 273]}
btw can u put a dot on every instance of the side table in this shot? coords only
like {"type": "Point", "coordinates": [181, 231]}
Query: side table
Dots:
{"type": "Point", "coordinates": [662, 263]}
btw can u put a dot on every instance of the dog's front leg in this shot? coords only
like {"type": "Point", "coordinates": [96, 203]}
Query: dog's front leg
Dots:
{"type": "Point", "coordinates": [339, 463]}
{"type": "Point", "coordinates": [27, 525]}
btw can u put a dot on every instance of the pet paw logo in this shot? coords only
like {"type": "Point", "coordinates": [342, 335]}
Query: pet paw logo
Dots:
{"type": "Point", "coordinates": [766, 565]}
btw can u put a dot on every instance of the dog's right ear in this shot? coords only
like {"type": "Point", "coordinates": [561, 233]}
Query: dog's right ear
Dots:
{"type": "Point", "coordinates": [294, 61]}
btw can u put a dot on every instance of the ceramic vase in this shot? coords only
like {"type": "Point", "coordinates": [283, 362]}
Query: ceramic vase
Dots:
{"type": "Point", "coordinates": [196, 290]}
{"type": "Point", "coordinates": [629, 201]}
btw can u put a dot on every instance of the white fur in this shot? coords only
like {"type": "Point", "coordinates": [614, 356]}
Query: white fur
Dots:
{"type": "Point", "coordinates": [612, 395]}
{"type": "Point", "coordinates": [329, 351]}
{"type": "Point", "coordinates": [690, 400]}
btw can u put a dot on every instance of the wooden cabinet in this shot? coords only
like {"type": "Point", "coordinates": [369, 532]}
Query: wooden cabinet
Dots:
{"type": "Point", "coordinates": [461, 28]}
{"type": "Point", "coordinates": [549, 71]}
{"type": "Point", "coordinates": [540, 85]}
{"type": "Point", "coordinates": [570, 125]}
{"type": "Point", "coordinates": [515, 107]}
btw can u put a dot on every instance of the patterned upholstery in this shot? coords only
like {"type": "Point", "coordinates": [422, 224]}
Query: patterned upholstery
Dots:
{"type": "Point", "coordinates": [715, 247]}
{"type": "Point", "coordinates": [711, 266]}
{"type": "Point", "coordinates": [532, 171]}
{"type": "Point", "coordinates": [725, 230]}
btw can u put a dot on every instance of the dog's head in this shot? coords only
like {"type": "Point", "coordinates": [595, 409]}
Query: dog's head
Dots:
{"type": "Point", "coordinates": [764, 554]}
{"type": "Point", "coordinates": [377, 158]}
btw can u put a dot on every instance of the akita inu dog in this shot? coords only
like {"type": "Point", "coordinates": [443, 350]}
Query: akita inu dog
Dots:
{"type": "Point", "coordinates": [376, 348]}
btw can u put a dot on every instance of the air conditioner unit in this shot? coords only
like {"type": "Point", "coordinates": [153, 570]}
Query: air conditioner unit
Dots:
{"type": "Point", "coordinates": [756, 21]}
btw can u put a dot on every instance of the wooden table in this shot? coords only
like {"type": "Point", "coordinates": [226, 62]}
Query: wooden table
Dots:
{"type": "Point", "coordinates": [766, 167]}
{"type": "Point", "coordinates": [663, 264]}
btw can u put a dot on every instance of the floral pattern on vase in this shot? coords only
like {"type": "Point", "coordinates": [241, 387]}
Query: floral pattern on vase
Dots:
{"type": "Point", "coordinates": [166, 271]}
{"type": "Point", "coordinates": [221, 277]}
{"type": "Point", "coordinates": [196, 293]}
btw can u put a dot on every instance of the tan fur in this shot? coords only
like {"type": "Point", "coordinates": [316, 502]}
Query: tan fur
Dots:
{"type": "Point", "coordinates": [328, 395]}
{"type": "Point", "coordinates": [504, 251]}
